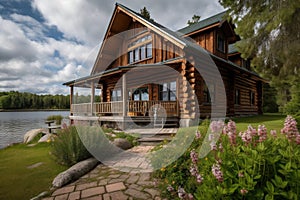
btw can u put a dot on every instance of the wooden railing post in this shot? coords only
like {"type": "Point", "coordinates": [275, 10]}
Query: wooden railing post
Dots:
{"type": "Point", "coordinates": [92, 98]}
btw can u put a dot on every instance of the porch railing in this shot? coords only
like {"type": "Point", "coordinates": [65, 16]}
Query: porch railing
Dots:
{"type": "Point", "coordinates": [134, 108]}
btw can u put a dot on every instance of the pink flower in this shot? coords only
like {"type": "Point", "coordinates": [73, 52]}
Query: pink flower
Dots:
{"type": "Point", "coordinates": [213, 146]}
{"type": "Point", "coordinates": [193, 170]}
{"type": "Point", "coordinates": [194, 156]}
{"type": "Point", "coordinates": [243, 191]}
{"type": "Point", "coordinates": [290, 128]}
{"type": "Point", "coordinates": [221, 147]}
{"type": "Point", "coordinates": [230, 130]}
{"type": "Point", "coordinates": [199, 178]}
{"type": "Point", "coordinates": [181, 193]}
{"type": "Point", "coordinates": [216, 126]}
{"type": "Point", "coordinates": [252, 130]}
{"type": "Point", "coordinates": [198, 135]}
{"type": "Point", "coordinates": [216, 170]}
{"type": "Point", "coordinates": [246, 137]}
{"type": "Point", "coordinates": [262, 133]}
{"type": "Point", "coordinates": [241, 175]}
{"type": "Point", "coordinates": [190, 196]}
{"type": "Point", "coordinates": [170, 188]}
{"type": "Point", "coordinates": [273, 133]}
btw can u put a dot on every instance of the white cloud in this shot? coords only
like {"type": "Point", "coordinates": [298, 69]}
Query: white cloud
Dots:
{"type": "Point", "coordinates": [31, 60]}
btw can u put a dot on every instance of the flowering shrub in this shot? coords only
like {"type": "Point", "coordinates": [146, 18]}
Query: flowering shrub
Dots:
{"type": "Point", "coordinates": [250, 165]}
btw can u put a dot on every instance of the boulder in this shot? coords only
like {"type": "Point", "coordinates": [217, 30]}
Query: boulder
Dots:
{"type": "Point", "coordinates": [30, 135]}
{"type": "Point", "coordinates": [46, 138]}
{"type": "Point", "coordinates": [74, 172]}
{"type": "Point", "coordinates": [122, 143]}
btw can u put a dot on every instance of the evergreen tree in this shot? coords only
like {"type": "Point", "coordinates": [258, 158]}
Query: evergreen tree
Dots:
{"type": "Point", "coordinates": [195, 19]}
{"type": "Point", "coordinates": [146, 14]}
{"type": "Point", "coordinates": [270, 34]}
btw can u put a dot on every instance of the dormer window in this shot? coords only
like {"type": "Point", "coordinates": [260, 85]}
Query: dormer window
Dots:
{"type": "Point", "coordinates": [140, 49]}
{"type": "Point", "coordinates": [220, 43]}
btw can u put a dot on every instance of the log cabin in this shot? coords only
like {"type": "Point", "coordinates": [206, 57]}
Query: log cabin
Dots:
{"type": "Point", "coordinates": [146, 73]}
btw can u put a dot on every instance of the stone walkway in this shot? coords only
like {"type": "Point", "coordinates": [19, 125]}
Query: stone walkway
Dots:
{"type": "Point", "coordinates": [105, 183]}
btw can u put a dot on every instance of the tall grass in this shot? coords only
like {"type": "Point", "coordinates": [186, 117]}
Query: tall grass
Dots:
{"type": "Point", "coordinates": [57, 118]}
{"type": "Point", "coordinates": [68, 148]}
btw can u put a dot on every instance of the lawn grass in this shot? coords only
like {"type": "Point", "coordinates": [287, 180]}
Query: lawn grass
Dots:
{"type": "Point", "coordinates": [271, 121]}
{"type": "Point", "coordinates": [17, 181]}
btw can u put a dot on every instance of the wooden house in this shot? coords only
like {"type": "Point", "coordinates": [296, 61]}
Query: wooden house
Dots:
{"type": "Point", "coordinates": [146, 72]}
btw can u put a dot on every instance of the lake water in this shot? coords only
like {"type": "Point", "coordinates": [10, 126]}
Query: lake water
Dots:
{"type": "Point", "coordinates": [13, 125]}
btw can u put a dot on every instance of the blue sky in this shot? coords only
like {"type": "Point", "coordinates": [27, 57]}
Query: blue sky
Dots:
{"type": "Point", "coordinates": [45, 43]}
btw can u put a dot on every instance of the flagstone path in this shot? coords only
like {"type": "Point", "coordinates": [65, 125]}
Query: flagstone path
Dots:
{"type": "Point", "coordinates": [105, 183]}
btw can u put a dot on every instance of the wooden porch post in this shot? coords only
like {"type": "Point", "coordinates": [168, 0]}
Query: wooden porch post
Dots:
{"type": "Point", "coordinates": [124, 98]}
{"type": "Point", "coordinates": [92, 98]}
{"type": "Point", "coordinates": [124, 91]}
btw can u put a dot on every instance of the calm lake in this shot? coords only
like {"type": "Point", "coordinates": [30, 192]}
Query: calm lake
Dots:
{"type": "Point", "coordinates": [13, 125]}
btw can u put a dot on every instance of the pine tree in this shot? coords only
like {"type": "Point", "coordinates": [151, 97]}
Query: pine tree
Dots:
{"type": "Point", "coordinates": [195, 19]}
{"type": "Point", "coordinates": [146, 14]}
{"type": "Point", "coordinates": [270, 35]}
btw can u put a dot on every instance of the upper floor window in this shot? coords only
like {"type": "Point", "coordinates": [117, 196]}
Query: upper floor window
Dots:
{"type": "Point", "coordinates": [167, 91]}
{"type": "Point", "coordinates": [220, 44]}
{"type": "Point", "coordinates": [140, 49]}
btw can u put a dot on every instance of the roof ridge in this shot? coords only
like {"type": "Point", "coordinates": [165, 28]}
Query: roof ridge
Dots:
{"type": "Point", "coordinates": [202, 23]}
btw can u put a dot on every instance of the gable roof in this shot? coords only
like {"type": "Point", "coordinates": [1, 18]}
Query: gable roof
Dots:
{"type": "Point", "coordinates": [154, 26]}
{"type": "Point", "coordinates": [203, 23]}
{"type": "Point", "coordinates": [175, 37]}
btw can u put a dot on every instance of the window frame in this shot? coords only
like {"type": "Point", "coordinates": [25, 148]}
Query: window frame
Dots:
{"type": "Point", "coordinates": [209, 98]}
{"type": "Point", "coordinates": [237, 97]}
{"type": "Point", "coordinates": [252, 97]}
{"type": "Point", "coordinates": [116, 95]}
{"type": "Point", "coordinates": [139, 49]}
{"type": "Point", "coordinates": [165, 90]}
{"type": "Point", "coordinates": [220, 38]}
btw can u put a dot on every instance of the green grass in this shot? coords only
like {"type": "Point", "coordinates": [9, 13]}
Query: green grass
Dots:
{"type": "Point", "coordinates": [271, 121]}
{"type": "Point", "coordinates": [19, 182]}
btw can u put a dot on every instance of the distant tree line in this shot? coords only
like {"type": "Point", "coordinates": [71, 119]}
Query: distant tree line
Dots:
{"type": "Point", "coordinates": [25, 100]}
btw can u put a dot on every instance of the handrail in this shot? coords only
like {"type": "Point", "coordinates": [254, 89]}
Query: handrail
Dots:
{"type": "Point", "coordinates": [134, 108]}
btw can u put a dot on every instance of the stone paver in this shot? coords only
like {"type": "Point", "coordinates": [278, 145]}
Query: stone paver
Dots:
{"type": "Point", "coordinates": [115, 187]}
{"type": "Point", "coordinates": [106, 183]}
{"type": "Point", "coordinates": [125, 176]}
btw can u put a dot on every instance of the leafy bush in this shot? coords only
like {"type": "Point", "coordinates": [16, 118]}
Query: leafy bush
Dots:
{"type": "Point", "coordinates": [68, 148]}
{"type": "Point", "coordinates": [57, 118]}
{"type": "Point", "coordinates": [248, 165]}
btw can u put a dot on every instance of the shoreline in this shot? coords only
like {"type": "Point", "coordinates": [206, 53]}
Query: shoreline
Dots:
{"type": "Point", "coordinates": [31, 110]}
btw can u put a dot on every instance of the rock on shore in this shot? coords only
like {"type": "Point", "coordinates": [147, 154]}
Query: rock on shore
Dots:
{"type": "Point", "coordinates": [30, 135]}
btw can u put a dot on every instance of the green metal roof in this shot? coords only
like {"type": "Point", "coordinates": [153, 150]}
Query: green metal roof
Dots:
{"type": "Point", "coordinates": [203, 23]}
{"type": "Point", "coordinates": [232, 48]}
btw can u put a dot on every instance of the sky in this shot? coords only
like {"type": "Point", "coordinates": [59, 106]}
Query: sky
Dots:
{"type": "Point", "coordinates": [45, 43]}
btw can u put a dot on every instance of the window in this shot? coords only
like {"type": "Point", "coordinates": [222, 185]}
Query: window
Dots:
{"type": "Point", "coordinates": [237, 97]}
{"type": "Point", "coordinates": [116, 95]}
{"type": "Point", "coordinates": [149, 50]}
{"type": "Point", "coordinates": [167, 91]}
{"type": "Point", "coordinates": [141, 94]}
{"type": "Point", "coordinates": [140, 49]}
{"type": "Point", "coordinates": [220, 44]}
{"type": "Point", "coordinates": [209, 93]}
{"type": "Point", "coordinates": [252, 97]}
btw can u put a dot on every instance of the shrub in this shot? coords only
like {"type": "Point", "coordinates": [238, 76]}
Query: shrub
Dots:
{"type": "Point", "coordinates": [248, 165]}
{"type": "Point", "coordinates": [57, 118]}
{"type": "Point", "coordinates": [68, 148]}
